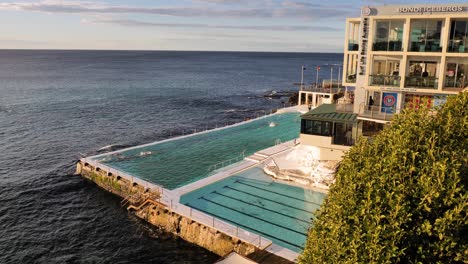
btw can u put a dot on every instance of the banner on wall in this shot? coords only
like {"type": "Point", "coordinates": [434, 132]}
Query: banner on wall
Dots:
{"type": "Point", "coordinates": [389, 102]}
{"type": "Point", "coordinates": [440, 99]}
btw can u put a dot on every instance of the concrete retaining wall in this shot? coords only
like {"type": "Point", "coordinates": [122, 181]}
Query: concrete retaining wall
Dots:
{"type": "Point", "coordinates": [163, 217]}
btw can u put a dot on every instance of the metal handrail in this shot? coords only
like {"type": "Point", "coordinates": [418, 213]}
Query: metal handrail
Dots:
{"type": "Point", "coordinates": [429, 82]}
{"type": "Point", "coordinates": [227, 162]}
{"type": "Point", "coordinates": [316, 89]}
{"type": "Point", "coordinates": [344, 108]}
{"type": "Point", "coordinates": [375, 112]}
{"type": "Point", "coordinates": [386, 80]}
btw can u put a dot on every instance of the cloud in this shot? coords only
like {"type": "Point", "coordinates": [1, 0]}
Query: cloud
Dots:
{"type": "Point", "coordinates": [137, 23]}
{"type": "Point", "coordinates": [289, 9]}
{"type": "Point", "coordinates": [224, 2]}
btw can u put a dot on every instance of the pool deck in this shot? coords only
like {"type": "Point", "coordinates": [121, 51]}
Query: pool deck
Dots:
{"type": "Point", "coordinates": [171, 198]}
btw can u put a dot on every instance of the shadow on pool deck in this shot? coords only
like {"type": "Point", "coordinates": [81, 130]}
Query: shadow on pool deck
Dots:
{"type": "Point", "coordinates": [267, 258]}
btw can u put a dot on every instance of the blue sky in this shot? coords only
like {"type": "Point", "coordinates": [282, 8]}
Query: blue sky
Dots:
{"type": "Point", "coordinates": [231, 25]}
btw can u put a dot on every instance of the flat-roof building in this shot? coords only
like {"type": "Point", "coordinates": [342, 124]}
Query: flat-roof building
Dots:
{"type": "Point", "coordinates": [398, 57]}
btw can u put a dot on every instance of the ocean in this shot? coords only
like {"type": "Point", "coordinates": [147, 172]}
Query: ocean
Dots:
{"type": "Point", "coordinates": [58, 105]}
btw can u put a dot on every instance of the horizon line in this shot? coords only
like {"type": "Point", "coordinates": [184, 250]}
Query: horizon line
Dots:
{"type": "Point", "coordinates": [233, 51]}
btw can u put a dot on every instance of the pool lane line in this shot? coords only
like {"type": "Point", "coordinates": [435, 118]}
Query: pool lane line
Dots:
{"type": "Point", "coordinates": [252, 216]}
{"type": "Point", "coordinates": [247, 227]}
{"type": "Point", "coordinates": [264, 198]}
{"type": "Point", "coordinates": [260, 182]}
{"type": "Point", "coordinates": [266, 209]}
{"type": "Point", "coordinates": [289, 196]}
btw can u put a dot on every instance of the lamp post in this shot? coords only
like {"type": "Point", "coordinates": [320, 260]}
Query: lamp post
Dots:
{"type": "Point", "coordinates": [302, 76]}
{"type": "Point", "coordinates": [316, 77]}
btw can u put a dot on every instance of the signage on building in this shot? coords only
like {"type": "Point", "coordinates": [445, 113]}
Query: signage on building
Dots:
{"type": "Point", "coordinates": [363, 46]}
{"type": "Point", "coordinates": [430, 9]}
{"type": "Point", "coordinates": [398, 89]}
{"type": "Point", "coordinates": [389, 102]}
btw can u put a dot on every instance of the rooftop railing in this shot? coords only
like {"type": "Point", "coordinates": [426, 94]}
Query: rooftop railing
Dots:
{"type": "Point", "coordinates": [319, 89]}
{"type": "Point", "coordinates": [344, 108]}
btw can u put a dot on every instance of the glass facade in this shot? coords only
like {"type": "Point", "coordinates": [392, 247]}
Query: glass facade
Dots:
{"type": "Point", "coordinates": [455, 73]}
{"type": "Point", "coordinates": [353, 36]}
{"type": "Point", "coordinates": [422, 74]}
{"type": "Point", "coordinates": [370, 128]}
{"type": "Point", "coordinates": [317, 128]}
{"type": "Point", "coordinates": [425, 36]}
{"type": "Point", "coordinates": [458, 41]}
{"type": "Point", "coordinates": [343, 134]}
{"type": "Point", "coordinates": [385, 71]}
{"type": "Point", "coordinates": [388, 35]}
{"type": "Point", "coordinates": [351, 68]}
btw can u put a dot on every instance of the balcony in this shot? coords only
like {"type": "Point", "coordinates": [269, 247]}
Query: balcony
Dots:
{"type": "Point", "coordinates": [377, 112]}
{"type": "Point", "coordinates": [429, 82]}
{"type": "Point", "coordinates": [384, 80]}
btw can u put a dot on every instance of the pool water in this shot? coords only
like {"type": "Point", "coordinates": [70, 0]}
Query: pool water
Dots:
{"type": "Point", "coordinates": [176, 163]}
{"type": "Point", "coordinates": [253, 201]}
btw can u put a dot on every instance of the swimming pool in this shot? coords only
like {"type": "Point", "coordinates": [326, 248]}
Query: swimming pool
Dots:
{"type": "Point", "coordinates": [178, 162]}
{"type": "Point", "coordinates": [253, 201]}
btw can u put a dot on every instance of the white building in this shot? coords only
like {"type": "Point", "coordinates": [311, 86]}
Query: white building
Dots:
{"type": "Point", "coordinates": [395, 57]}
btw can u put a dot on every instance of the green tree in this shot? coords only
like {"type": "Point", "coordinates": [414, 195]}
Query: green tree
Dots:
{"type": "Point", "coordinates": [401, 197]}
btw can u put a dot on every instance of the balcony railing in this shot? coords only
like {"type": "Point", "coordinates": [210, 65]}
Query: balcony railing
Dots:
{"type": "Point", "coordinates": [393, 45]}
{"type": "Point", "coordinates": [430, 46]}
{"type": "Point", "coordinates": [457, 46]}
{"type": "Point", "coordinates": [422, 82]}
{"type": "Point", "coordinates": [377, 112]}
{"type": "Point", "coordinates": [385, 80]}
{"type": "Point", "coordinates": [456, 84]}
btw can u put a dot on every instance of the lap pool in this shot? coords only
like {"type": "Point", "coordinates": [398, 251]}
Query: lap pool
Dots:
{"type": "Point", "coordinates": [175, 163]}
{"type": "Point", "coordinates": [253, 201]}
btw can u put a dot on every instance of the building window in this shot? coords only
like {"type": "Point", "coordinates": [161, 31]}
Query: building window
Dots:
{"type": "Point", "coordinates": [343, 134]}
{"type": "Point", "coordinates": [351, 68]}
{"type": "Point", "coordinates": [388, 35]}
{"type": "Point", "coordinates": [353, 36]}
{"type": "Point", "coordinates": [317, 128]}
{"type": "Point", "coordinates": [455, 73]}
{"type": "Point", "coordinates": [458, 36]}
{"type": "Point", "coordinates": [425, 35]}
{"type": "Point", "coordinates": [385, 71]}
{"type": "Point", "coordinates": [422, 74]}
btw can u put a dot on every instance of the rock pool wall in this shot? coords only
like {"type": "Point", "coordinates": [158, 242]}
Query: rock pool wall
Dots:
{"type": "Point", "coordinates": [146, 206]}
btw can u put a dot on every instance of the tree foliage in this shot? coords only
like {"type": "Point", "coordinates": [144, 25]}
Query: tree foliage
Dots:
{"type": "Point", "coordinates": [400, 197]}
